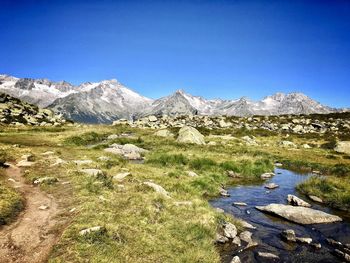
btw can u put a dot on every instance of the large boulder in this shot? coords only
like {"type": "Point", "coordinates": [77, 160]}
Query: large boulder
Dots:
{"type": "Point", "coordinates": [298, 214]}
{"type": "Point", "coordinates": [190, 135]}
{"type": "Point", "coordinates": [343, 147]}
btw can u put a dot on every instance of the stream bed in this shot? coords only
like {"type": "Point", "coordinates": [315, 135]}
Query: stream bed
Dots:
{"type": "Point", "coordinates": [269, 228]}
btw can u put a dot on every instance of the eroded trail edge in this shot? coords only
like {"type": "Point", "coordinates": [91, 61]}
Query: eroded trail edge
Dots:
{"type": "Point", "coordinates": [30, 238]}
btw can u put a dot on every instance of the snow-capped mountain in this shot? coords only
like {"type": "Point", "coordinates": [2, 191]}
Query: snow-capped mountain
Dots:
{"type": "Point", "coordinates": [105, 101]}
{"type": "Point", "coordinates": [41, 92]}
{"type": "Point", "coordinates": [101, 103]}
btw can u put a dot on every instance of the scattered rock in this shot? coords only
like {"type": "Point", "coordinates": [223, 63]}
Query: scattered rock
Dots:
{"type": "Point", "coordinates": [306, 146]}
{"type": "Point", "coordinates": [306, 240]}
{"type": "Point", "coordinates": [28, 157]}
{"type": "Point", "coordinates": [48, 153]}
{"type": "Point", "coordinates": [246, 236]}
{"type": "Point", "coordinates": [221, 239]}
{"type": "Point", "coordinates": [223, 192]}
{"type": "Point", "coordinates": [92, 172]}
{"type": "Point", "coordinates": [342, 255]}
{"type": "Point", "coordinates": [233, 174]}
{"type": "Point", "coordinates": [192, 174]}
{"type": "Point", "coordinates": [298, 214]}
{"type": "Point", "coordinates": [25, 163]}
{"type": "Point", "coordinates": [237, 241]}
{"type": "Point", "coordinates": [236, 259]}
{"type": "Point", "coordinates": [316, 245]}
{"type": "Point", "coordinates": [343, 147]}
{"type": "Point", "coordinates": [190, 135]}
{"type": "Point", "coordinates": [120, 176]}
{"type": "Point", "coordinates": [58, 161]}
{"type": "Point", "coordinates": [157, 188]}
{"type": "Point", "coordinates": [289, 235]}
{"type": "Point", "coordinates": [271, 186]}
{"type": "Point", "coordinates": [296, 201]}
{"type": "Point", "coordinates": [315, 199]}
{"type": "Point", "coordinates": [164, 133]}
{"type": "Point", "coordinates": [239, 204]}
{"type": "Point", "coordinates": [46, 180]}
{"type": "Point", "coordinates": [266, 175]}
{"type": "Point", "coordinates": [230, 230]}
{"type": "Point", "coordinates": [287, 144]}
{"type": "Point", "coordinates": [128, 151]}
{"type": "Point", "coordinates": [43, 207]}
{"type": "Point", "coordinates": [267, 255]}
{"type": "Point", "coordinates": [245, 224]}
{"type": "Point", "coordinates": [95, 229]}
{"type": "Point", "coordinates": [82, 162]}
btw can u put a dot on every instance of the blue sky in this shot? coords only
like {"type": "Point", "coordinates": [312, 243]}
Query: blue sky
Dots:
{"type": "Point", "coordinates": [224, 49]}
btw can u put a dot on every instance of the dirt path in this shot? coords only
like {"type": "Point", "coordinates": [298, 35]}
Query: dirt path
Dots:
{"type": "Point", "coordinates": [29, 239]}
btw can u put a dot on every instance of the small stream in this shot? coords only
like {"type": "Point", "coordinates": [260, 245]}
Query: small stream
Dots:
{"type": "Point", "coordinates": [269, 227]}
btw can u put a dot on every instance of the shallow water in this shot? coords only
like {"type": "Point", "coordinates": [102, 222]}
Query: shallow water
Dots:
{"type": "Point", "coordinates": [269, 227]}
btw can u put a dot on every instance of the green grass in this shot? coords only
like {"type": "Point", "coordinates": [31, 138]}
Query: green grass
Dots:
{"type": "Point", "coordinates": [141, 225]}
{"type": "Point", "coordinates": [11, 202]}
{"type": "Point", "coordinates": [333, 190]}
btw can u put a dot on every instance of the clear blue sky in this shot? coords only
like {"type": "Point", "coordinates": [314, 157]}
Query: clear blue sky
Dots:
{"type": "Point", "coordinates": [216, 48]}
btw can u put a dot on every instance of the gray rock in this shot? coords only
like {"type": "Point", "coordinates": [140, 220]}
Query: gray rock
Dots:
{"type": "Point", "coordinates": [230, 230]}
{"type": "Point", "coordinates": [298, 214]}
{"type": "Point", "coordinates": [92, 172]}
{"type": "Point", "coordinates": [237, 241]}
{"type": "Point", "coordinates": [315, 199]}
{"type": "Point", "coordinates": [25, 163]}
{"type": "Point", "coordinates": [271, 186]}
{"type": "Point", "coordinates": [266, 175]}
{"type": "Point", "coordinates": [95, 229]}
{"type": "Point", "coordinates": [120, 176]}
{"type": "Point", "coordinates": [157, 188]}
{"type": "Point", "coordinates": [192, 174]}
{"type": "Point", "coordinates": [235, 259]}
{"type": "Point", "coordinates": [296, 201]}
{"type": "Point", "coordinates": [164, 133]}
{"type": "Point", "coordinates": [289, 235]}
{"type": "Point", "coordinates": [246, 236]}
{"type": "Point", "coordinates": [190, 135]}
{"type": "Point", "coordinates": [343, 147]}
{"type": "Point", "coordinates": [239, 204]}
{"type": "Point", "coordinates": [82, 162]}
{"type": "Point", "coordinates": [306, 240]}
{"type": "Point", "coordinates": [267, 255]}
{"type": "Point", "coordinates": [287, 144]}
{"type": "Point", "coordinates": [223, 192]}
{"type": "Point", "coordinates": [221, 239]}
{"type": "Point", "coordinates": [46, 180]}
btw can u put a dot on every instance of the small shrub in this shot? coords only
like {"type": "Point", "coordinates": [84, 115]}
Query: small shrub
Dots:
{"type": "Point", "coordinates": [168, 159]}
{"type": "Point", "coordinates": [85, 139]}
{"type": "Point", "coordinates": [202, 163]}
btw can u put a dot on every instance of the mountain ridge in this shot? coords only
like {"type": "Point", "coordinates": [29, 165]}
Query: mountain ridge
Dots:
{"type": "Point", "coordinates": [109, 100]}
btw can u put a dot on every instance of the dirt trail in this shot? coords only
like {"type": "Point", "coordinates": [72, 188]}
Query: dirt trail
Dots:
{"type": "Point", "coordinates": [29, 239]}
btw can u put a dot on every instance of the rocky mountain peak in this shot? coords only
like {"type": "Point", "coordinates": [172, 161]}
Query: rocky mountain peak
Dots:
{"type": "Point", "coordinates": [109, 100]}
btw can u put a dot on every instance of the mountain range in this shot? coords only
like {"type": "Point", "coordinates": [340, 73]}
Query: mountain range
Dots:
{"type": "Point", "coordinates": [109, 100]}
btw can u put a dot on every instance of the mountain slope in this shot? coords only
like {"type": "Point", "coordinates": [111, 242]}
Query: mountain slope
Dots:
{"type": "Point", "coordinates": [101, 103]}
{"type": "Point", "coordinates": [41, 92]}
{"type": "Point", "coordinates": [105, 101]}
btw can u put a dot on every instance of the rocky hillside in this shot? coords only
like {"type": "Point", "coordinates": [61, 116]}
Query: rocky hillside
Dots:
{"type": "Point", "coordinates": [109, 100]}
{"type": "Point", "coordinates": [335, 123]}
{"type": "Point", "coordinates": [15, 112]}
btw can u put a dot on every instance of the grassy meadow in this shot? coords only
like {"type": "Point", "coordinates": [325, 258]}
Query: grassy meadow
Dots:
{"type": "Point", "coordinates": [140, 224]}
